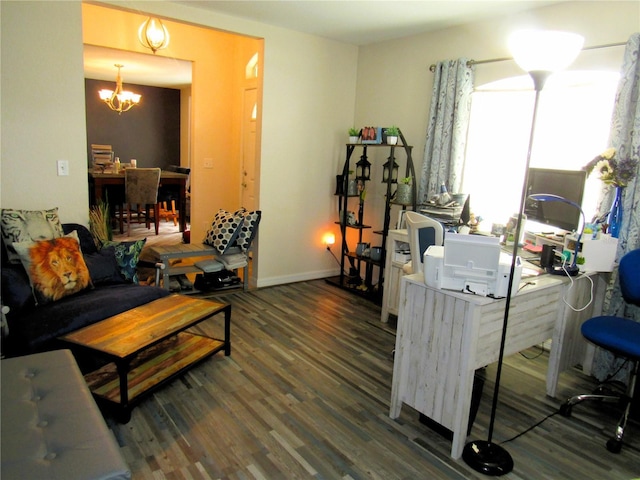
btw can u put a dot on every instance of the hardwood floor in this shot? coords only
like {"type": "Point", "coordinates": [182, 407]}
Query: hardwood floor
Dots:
{"type": "Point", "coordinates": [305, 394]}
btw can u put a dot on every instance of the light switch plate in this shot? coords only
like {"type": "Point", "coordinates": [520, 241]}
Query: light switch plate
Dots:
{"type": "Point", "coordinates": [63, 168]}
{"type": "Point", "coordinates": [208, 163]}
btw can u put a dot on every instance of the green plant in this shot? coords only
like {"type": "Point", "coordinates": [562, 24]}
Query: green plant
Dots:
{"type": "Point", "coordinates": [100, 223]}
{"type": "Point", "coordinates": [406, 180]}
{"type": "Point", "coordinates": [393, 131]}
{"type": "Point", "coordinates": [354, 132]}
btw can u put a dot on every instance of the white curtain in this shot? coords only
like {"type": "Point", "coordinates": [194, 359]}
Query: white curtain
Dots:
{"type": "Point", "coordinates": [625, 138]}
{"type": "Point", "coordinates": [447, 128]}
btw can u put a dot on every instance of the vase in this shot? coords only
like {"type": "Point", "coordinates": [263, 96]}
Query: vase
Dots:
{"type": "Point", "coordinates": [615, 215]}
{"type": "Point", "coordinates": [404, 194]}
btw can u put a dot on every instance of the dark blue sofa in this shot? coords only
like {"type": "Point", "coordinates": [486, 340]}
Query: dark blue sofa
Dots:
{"type": "Point", "coordinates": [33, 329]}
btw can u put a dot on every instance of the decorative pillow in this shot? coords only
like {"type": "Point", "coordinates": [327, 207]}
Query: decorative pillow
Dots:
{"type": "Point", "coordinates": [56, 267]}
{"type": "Point", "coordinates": [28, 226]}
{"type": "Point", "coordinates": [103, 267]}
{"type": "Point", "coordinates": [249, 227]}
{"type": "Point", "coordinates": [223, 231]}
{"type": "Point", "coordinates": [127, 256]}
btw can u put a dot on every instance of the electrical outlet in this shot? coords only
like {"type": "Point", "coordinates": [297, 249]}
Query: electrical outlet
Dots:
{"type": "Point", "coordinates": [208, 163]}
{"type": "Point", "coordinates": [63, 168]}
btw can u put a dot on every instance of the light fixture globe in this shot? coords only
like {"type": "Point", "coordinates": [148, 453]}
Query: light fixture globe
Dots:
{"type": "Point", "coordinates": [546, 51]}
{"type": "Point", "coordinates": [153, 34]}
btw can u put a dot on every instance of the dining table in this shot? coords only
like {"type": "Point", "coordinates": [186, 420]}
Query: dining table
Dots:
{"type": "Point", "coordinates": [99, 182]}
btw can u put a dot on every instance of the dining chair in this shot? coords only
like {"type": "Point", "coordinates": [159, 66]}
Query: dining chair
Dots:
{"type": "Point", "coordinates": [141, 189]}
{"type": "Point", "coordinates": [168, 211]}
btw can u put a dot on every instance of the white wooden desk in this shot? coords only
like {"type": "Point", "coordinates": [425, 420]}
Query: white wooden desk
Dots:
{"type": "Point", "coordinates": [392, 274]}
{"type": "Point", "coordinates": [444, 336]}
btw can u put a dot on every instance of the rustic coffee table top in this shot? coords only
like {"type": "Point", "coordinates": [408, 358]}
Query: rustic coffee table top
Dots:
{"type": "Point", "coordinates": [127, 333]}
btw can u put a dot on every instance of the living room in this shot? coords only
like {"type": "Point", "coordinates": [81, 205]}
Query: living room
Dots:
{"type": "Point", "coordinates": [328, 83]}
{"type": "Point", "coordinates": [314, 90]}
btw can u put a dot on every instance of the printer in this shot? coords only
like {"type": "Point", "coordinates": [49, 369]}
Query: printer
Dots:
{"type": "Point", "coordinates": [471, 264]}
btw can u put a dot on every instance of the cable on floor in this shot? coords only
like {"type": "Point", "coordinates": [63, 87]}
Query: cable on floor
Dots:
{"type": "Point", "coordinates": [531, 427]}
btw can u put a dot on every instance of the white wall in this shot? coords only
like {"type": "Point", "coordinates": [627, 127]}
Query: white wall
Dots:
{"type": "Point", "coordinates": [400, 68]}
{"type": "Point", "coordinates": [43, 112]}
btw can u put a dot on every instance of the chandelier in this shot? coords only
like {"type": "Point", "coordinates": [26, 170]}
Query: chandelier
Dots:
{"type": "Point", "coordinates": [119, 100]}
{"type": "Point", "coordinates": [153, 34]}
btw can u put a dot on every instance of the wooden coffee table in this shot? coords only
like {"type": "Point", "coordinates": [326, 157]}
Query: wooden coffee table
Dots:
{"type": "Point", "coordinates": [148, 346]}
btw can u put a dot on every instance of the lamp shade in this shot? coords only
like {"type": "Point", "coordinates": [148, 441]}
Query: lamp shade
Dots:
{"type": "Point", "coordinates": [544, 51]}
{"type": "Point", "coordinates": [153, 34]}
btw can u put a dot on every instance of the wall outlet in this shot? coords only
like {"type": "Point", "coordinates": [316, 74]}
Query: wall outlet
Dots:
{"type": "Point", "coordinates": [208, 163]}
{"type": "Point", "coordinates": [63, 168]}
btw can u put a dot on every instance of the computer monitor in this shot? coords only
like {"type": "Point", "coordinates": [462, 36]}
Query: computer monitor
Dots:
{"type": "Point", "coordinates": [568, 184]}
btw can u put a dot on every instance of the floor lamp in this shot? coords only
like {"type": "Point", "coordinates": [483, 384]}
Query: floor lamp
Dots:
{"type": "Point", "coordinates": [539, 53]}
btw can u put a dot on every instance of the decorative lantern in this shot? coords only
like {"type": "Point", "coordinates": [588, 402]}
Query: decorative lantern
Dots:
{"type": "Point", "coordinates": [390, 168]}
{"type": "Point", "coordinates": [363, 168]}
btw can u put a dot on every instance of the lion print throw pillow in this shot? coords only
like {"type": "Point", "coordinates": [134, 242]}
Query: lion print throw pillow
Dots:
{"type": "Point", "coordinates": [56, 267]}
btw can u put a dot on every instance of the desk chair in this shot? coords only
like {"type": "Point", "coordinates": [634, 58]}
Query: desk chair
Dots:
{"type": "Point", "coordinates": [141, 189]}
{"type": "Point", "coordinates": [621, 336]}
{"type": "Point", "coordinates": [423, 232]}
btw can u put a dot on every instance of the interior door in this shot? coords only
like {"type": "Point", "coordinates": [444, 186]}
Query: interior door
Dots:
{"type": "Point", "coordinates": [248, 174]}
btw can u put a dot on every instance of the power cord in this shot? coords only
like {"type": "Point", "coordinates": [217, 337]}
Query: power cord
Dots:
{"type": "Point", "coordinates": [531, 427]}
{"type": "Point", "coordinates": [336, 258]}
{"type": "Point", "coordinates": [607, 380]}
{"type": "Point", "coordinates": [564, 298]}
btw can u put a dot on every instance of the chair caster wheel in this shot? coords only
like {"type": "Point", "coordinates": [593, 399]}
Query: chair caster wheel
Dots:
{"type": "Point", "coordinates": [614, 445]}
{"type": "Point", "coordinates": [565, 410]}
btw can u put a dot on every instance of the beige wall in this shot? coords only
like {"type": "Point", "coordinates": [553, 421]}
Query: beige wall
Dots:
{"type": "Point", "coordinates": [309, 96]}
{"type": "Point", "coordinates": [407, 81]}
{"type": "Point", "coordinates": [43, 113]}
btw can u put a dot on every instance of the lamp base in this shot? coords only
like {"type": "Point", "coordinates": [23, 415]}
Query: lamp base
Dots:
{"type": "Point", "coordinates": [487, 457]}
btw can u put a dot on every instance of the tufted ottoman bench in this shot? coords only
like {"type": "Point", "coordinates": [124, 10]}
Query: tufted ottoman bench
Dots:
{"type": "Point", "coordinates": [51, 426]}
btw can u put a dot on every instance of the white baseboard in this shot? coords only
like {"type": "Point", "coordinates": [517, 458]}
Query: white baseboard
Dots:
{"type": "Point", "coordinates": [303, 277]}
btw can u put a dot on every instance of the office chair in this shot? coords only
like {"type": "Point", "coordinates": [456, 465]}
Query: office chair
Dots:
{"type": "Point", "coordinates": [141, 189]}
{"type": "Point", "coordinates": [423, 232]}
{"type": "Point", "coordinates": [621, 336]}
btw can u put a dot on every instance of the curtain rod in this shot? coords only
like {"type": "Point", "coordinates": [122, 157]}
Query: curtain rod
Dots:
{"type": "Point", "coordinates": [432, 67]}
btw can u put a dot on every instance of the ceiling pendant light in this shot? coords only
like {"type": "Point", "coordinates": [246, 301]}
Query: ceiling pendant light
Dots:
{"type": "Point", "coordinates": [119, 100]}
{"type": "Point", "coordinates": [153, 34]}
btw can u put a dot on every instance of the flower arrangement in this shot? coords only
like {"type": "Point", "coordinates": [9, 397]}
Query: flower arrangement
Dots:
{"type": "Point", "coordinates": [613, 172]}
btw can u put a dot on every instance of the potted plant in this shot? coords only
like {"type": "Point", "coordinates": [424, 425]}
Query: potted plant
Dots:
{"type": "Point", "coordinates": [354, 134]}
{"type": "Point", "coordinates": [100, 223]}
{"type": "Point", "coordinates": [404, 193]}
{"type": "Point", "coordinates": [393, 133]}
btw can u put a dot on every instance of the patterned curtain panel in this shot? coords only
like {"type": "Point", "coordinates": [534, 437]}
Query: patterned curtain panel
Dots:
{"type": "Point", "coordinates": [624, 137]}
{"type": "Point", "coordinates": [447, 131]}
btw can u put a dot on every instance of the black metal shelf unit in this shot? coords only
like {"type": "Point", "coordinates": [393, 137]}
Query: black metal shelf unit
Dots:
{"type": "Point", "coordinates": [359, 278]}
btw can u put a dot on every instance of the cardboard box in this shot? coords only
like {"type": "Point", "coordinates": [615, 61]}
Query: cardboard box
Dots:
{"type": "Point", "coordinates": [599, 254]}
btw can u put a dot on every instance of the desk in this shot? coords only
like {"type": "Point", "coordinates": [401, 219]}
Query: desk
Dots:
{"type": "Point", "coordinates": [98, 181]}
{"type": "Point", "coordinates": [444, 336]}
{"type": "Point", "coordinates": [392, 274]}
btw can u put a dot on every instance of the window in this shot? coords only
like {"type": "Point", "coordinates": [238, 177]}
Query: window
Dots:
{"type": "Point", "coordinates": [574, 115]}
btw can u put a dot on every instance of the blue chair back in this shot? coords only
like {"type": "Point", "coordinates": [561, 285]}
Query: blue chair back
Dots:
{"type": "Point", "coordinates": [629, 276]}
